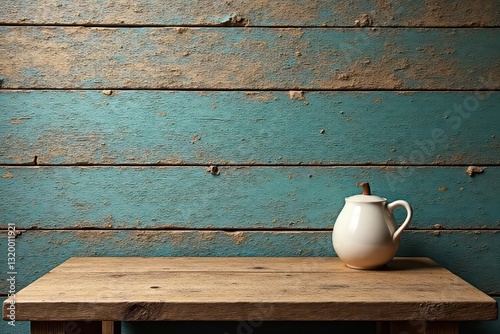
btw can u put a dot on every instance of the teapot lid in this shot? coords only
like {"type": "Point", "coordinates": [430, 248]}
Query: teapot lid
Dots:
{"type": "Point", "coordinates": [366, 197]}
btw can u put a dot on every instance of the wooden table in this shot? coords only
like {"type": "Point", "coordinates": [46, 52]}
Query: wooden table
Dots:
{"type": "Point", "coordinates": [105, 291]}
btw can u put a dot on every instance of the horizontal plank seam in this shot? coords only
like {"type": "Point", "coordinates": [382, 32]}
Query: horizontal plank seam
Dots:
{"type": "Point", "coordinates": [249, 89]}
{"type": "Point", "coordinates": [305, 165]}
{"type": "Point", "coordinates": [236, 230]}
{"type": "Point", "coordinates": [225, 25]}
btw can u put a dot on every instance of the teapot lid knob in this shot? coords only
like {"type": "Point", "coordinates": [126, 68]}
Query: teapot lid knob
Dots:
{"type": "Point", "coordinates": [366, 188]}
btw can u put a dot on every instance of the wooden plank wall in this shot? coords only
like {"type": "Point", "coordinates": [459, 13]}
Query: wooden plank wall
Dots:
{"type": "Point", "coordinates": [111, 112]}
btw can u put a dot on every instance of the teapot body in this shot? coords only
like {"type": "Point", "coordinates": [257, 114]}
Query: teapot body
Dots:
{"type": "Point", "coordinates": [365, 234]}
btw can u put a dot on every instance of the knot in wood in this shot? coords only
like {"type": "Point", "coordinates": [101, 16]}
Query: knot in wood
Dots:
{"type": "Point", "coordinates": [141, 312]}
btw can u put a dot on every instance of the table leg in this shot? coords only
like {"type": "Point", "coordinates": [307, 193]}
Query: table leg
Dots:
{"type": "Point", "coordinates": [111, 327]}
{"type": "Point", "coordinates": [418, 327]}
{"type": "Point", "coordinates": [47, 327]}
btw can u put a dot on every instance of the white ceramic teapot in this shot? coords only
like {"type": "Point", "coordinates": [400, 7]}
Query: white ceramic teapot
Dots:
{"type": "Point", "coordinates": [365, 234]}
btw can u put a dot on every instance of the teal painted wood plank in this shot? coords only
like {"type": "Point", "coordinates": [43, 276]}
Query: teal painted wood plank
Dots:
{"type": "Point", "coordinates": [257, 58]}
{"type": "Point", "coordinates": [250, 198]}
{"type": "Point", "coordinates": [254, 13]}
{"type": "Point", "coordinates": [184, 127]}
{"type": "Point", "coordinates": [472, 255]}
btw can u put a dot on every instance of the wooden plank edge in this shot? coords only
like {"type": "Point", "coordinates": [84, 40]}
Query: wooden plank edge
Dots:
{"type": "Point", "coordinates": [279, 311]}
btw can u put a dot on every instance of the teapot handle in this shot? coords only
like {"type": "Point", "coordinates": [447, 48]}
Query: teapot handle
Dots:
{"type": "Point", "coordinates": [409, 214]}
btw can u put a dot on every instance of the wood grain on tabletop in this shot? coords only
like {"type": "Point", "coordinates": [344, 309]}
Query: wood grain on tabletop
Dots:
{"type": "Point", "coordinates": [220, 292]}
{"type": "Point", "coordinates": [185, 127]}
{"type": "Point", "coordinates": [408, 13]}
{"type": "Point", "coordinates": [258, 58]}
{"type": "Point", "coordinates": [142, 265]}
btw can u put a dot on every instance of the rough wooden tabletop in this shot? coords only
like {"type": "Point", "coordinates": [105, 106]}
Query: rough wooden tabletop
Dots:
{"type": "Point", "coordinates": [128, 289]}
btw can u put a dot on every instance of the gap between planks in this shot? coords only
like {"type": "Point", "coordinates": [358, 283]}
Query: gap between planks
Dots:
{"type": "Point", "coordinates": [236, 230]}
{"type": "Point", "coordinates": [259, 165]}
{"type": "Point", "coordinates": [240, 26]}
{"type": "Point", "coordinates": [249, 89]}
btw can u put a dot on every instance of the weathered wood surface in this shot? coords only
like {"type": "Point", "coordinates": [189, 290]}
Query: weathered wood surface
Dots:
{"type": "Point", "coordinates": [254, 13]}
{"type": "Point", "coordinates": [300, 289]}
{"type": "Point", "coordinates": [240, 197]}
{"type": "Point", "coordinates": [322, 327]}
{"type": "Point", "coordinates": [472, 255]}
{"type": "Point", "coordinates": [179, 127]}
{"type": "Point", "coordinates": [259, 58]}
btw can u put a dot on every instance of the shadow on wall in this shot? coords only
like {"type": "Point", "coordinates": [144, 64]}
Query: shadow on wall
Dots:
{"type": "Point", "coordinates": [248, 327]}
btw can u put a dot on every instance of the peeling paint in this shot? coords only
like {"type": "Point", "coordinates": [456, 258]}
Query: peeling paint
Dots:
{"type": "Point", "coordinates": [195, 139]}
{"type": "Point", "coordinates": [19, 120]}
{"type": "Point", "coordinates": [472, 170]}
{"type": "Point", "coordinates": [236, 21]}
{"type": "Point", "coordinates": [238, 237]}
{"type": "Point", "coordinates": [7, 175]}
{"type": "Point", "coordinates": [155, 58]}
{"type": "Point", "coordinates": [261, 96]}
{"type": "Point", "coordinates": [296, 95]}
{"type": "Point", "coordinates": [364, 21]}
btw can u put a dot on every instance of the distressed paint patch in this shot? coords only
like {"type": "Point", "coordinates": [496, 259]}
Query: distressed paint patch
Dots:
{"type": "Point", "coordinates": [8, 175]}
{"type": "Point", "coordinates": [257, 58]}
{"type": "Point", "coordinates": [472, 170]}
{"type": "Point", "coordinates": [261, 13]}
{"type": "Point", "coordinates": [157, 127]}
